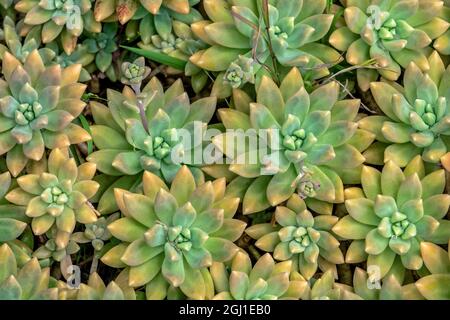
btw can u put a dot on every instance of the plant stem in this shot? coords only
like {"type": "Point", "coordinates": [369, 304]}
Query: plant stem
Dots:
{"type": "Point", "coordinates": [137, 91]}
{"type": "Point", "coordinates": [269, 39]}
{"type": "Point", "coordinates": [94, 263]}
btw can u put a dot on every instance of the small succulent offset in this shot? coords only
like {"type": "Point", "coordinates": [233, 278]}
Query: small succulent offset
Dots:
{"type": "Point", "coordinates": [170, 34]}
{"type": "Point", "coordinates": [96, 233]}
{"type": "Point", "coordinates": [133, 73]}
{"type": "Point", "coordinates": [37, 106]}
{"type": "Point", "coordinates": [394, 33]}
{"type": "Point", "coordinates": [58, 196]}
{"type": "Point", "coordinates": [27, 283]}
{"type": "Point", "coordinates": [435, 286]}
{"type": "Point", "coordinates": [123, 11]}
{"type": "Point", "coordinates": [283, 34]}
{"type": "Point", "coordinates": [103, 45]}
{"type": "Point", "coordinates": [176, 41]}
{"type": "Point", "coordinates": [51, 251]}
{"type": "Point", "coordinates": [311, 139]}
{"type": "Point", "coordinates": [266, 280]}
{"type": "Point", "coordinates": [64, 18]}
{"type": "Point", "coordinates": [417, 117]}
{"type": "Point", "coordinates": [299, 237]}
{"type": "Point", "coordinates": [146, 127]}
{"type": "Point", "coordinates": [392, 215]}
{"type": "Point", "coordinates": [240, 72]}
{"type": "Point", "coordinates": [170, 237]}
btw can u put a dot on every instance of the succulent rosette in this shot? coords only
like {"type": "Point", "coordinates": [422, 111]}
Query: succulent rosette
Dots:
{"type": "Point", "coordinates": [123, 11]}
{"type": "Point", "coordinates": [21, 48]}
{"type": "Point", "coordinates": [133, 73]}
{"type": "Point", "coordinates": [50, 251]}
{"type": "Point", "coordinates": [266, 280]}
{"type": "Point", "coordinates": [388, 289]}
{"type": "Point", "coordinates": [170, 237]}
{"type": "Point", "coordinates": [393, 213]}
{"type": "Point", "coordinates": [79, 56]}
{"type": "Point", "coordinates": [394, 33]}
{"type": "Point", "coordinates": [37, 106]}
{"type": "Point", "coordinates": [131, 141]}
{"type": "Point", "coordinates": [103, 45]}
{"type": "Point", "coordinates": [96, 233]}
{"type": "Point", "coordinates": [176, 41]}
{"type": "Point", "coordinates": [170, 33]}
{"type": "Point", "coordinates": [96, 289]}
{"type": "Point", "coordinates": [417, 116]}
{"type": "Point", "coordinates": [285, 36]}
{"type": "Point", "coordinates": [28, 282]}
{"type": "Point", "coordinates": [65, 19]}
{"type": "Point", "coordinates": [309, 141]}
{"type": "Point", "coordinates": [299, 237]}
{"type": "Point", "coordinates": [171, 37]}
{"type": "Point", "coordinates": [435, 285]}
{"type": "Point", "coordinates": [240, 72]}
{"type": "Point", "coordinates": [57, 196]}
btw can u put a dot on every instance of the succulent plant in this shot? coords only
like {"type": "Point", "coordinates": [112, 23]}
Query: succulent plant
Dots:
{"type": "Point", "coordinates": [37, 107]}
{"type": "Point", "coordinates": [170, 237]}
{"type": "Point", "coordinates": [65, 19]}
{"type": "Point", "coordinates": [79, 56]}
{"type": "Point", "coordinates": [437, 260]}
{"type": "Point", "coordinates": [14, 224]}
{"type": "Point", "coordinates": [392, 215]}
{"type": "Point", "coordinates": [394, 33]}
{"type": "Point", "coordinates": [103, 45]}
{"type": "Point", "coordinates": [175, 40]}
{"type": "Point", "coordinates": [283, 35]}
{"type": "Point", "coordinates": [147, 129]}
{"type": "Point", "coordinates": [96, 233]}
{"type": "Point", "coordinates": [240, 72]}
{"type": "Point", "coordinates": [21, 48]}
{"type": "Point", "coordinates": [325, 288]}
{"type": "Point", "coordinates": [123, 11]}
{"type": "Point", "coordinates": [50, 251]}
{"type": "Point", "coordinates": [388, 289]}
{"type": "Point", "coordinates": [96, 289]}
{"type": "Point", "coordinates": [169, 33]}
{"type": "Point", "coordinates": [133, 73]}
{"type": "Point", "coordinates": [266, 280]}
{"type": "Point", "coordinates": [311, 139]}
{"type": "Point", "coordinates": [58, 196]}
{"type": "Point", "coordinates": [300, 237]}
{"type": "Point", "coordinates": [27, 283]}
{"type": "Point", "coordinates": [417, 116]}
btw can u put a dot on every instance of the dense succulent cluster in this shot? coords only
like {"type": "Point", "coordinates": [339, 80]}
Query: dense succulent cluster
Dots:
{"type": "Point", "coordinates": [224, 149]}
{"type": "Point", "coordinates": [394, 33]}
{"type": "Point", "coordinates": [283, 35]}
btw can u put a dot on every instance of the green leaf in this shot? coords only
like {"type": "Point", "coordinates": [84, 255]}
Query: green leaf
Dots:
{"type": "Point", "coordinates": [10, 229]}
{"type": "Point", "coordinates": [159, 57]}
{"type": "Point", "coordinates": [85, 125]}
